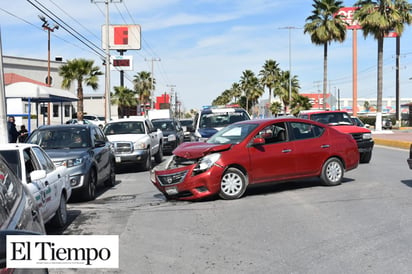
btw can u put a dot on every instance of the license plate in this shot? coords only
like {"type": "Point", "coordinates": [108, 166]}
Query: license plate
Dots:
{"type": "Point", "coordinates": [171, 190]}
{"type": "Point", "coordinates": [118, 159]}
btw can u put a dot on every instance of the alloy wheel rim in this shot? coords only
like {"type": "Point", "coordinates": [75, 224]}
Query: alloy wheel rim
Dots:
{"type": "Point", "coordinates": [231, 184]}
{"type": "Point", "coordinates": [334, 172]}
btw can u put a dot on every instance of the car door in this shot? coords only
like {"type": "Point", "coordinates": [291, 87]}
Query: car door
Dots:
{"type": "Point", "coordinates": [275, 159]}
{"type": "Point", "coordinates": [311, 144]}
{"type": "Point", "coordinates": [38, 188]}
{"type": "Point", "coordinates": [102, 152]}
{"type": "Point", "coordinates": [53, 182]}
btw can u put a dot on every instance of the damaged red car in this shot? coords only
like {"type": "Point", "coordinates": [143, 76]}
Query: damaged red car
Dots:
{"type": "Point", "coordinates": [254, 152]}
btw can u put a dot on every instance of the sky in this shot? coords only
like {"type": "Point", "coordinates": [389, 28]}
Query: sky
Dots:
{"type": "Point", "coordinates": [201, 47]}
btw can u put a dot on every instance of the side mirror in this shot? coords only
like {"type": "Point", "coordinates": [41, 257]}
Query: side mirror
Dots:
{"type": "Point", "coordinates": [37, 175]}
{"type": "Point", "coordinates": [258, 141]}
{"type": "Point", "coordinates": [99, 143]}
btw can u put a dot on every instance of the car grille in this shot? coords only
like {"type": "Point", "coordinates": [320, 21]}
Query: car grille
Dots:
{"type": "Point", "coordinates": [358, 137]}
{"type": "Point", "coordinates": [172, 179]}
{"type": "Point", "coordinates": [123, 147]}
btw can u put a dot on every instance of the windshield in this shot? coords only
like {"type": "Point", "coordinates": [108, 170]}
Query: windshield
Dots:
{"type": "Point", "coordinates": [130, 127]}
{"type": "Point", "coordinates": [332, 118]}
{"type": "Point", "coordinates": [232, 134]}
{"type": "Point", "coordinates": [221, 119]}
{"type": "Point", "coordinates": [61, 138]}
{"type": "Point", "coordinates": [163, 125]}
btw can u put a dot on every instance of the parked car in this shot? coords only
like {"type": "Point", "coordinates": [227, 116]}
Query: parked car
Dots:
{"type": "Point", "coordinates": [95, 119]}
{"type": "Point", "coordinates": [341, 121]}
{"type": "Point", "coordinates": [19, 214]}
{"type": "Point", "coordinates": [409, 160]}
{"type": "Point", "coordinates": [84, 150]}
{"type": "Point", "coordinates": [135, 140]}
{"type": "Point", "coordinates": [254, 152]}
{"type": "Point", "coordinates": [211, 119]}
{"type": "Point", "coordinates": [387, 123]}
{"type": "Point", "coordinates": [187, 125]}
{"type": "Point", "coordinates": [173, 134]}
{"type": "Point", "coordinates": [49, 185]}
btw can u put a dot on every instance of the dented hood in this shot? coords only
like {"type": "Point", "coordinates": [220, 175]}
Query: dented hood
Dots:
{"type": "Point", "coordinates": [194, 150]}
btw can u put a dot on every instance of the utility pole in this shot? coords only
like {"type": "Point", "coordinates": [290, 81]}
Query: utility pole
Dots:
{"type": "Point", "coordinates": [107, 61]}
{"type": "Point", "coordinates": [171, 96]}
{"type": "Point", "coordinates": [152, 86]}
{"type": "Point", "coordinates": [49, 29]}
{"type": "Point", "coordinates": [3, 111]}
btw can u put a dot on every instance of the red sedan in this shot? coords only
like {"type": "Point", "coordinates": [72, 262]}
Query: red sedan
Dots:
{"type": "Point", "coordinates": [253, 152]}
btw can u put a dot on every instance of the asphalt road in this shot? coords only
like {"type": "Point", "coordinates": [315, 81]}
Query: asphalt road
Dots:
{"type": "Point", "coordinates": [361, 226]}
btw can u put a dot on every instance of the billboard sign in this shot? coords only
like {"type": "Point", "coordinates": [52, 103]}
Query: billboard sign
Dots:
{"type": "Point", "coordinates": [121, 62]}
{"type": "Point", "coordinates": [122, 37]}
{"type": "Point", "coordinates": [347, 16]}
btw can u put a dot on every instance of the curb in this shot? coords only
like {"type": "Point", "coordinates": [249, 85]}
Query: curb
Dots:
{"type": "Point", "coordinates": [392, 143]}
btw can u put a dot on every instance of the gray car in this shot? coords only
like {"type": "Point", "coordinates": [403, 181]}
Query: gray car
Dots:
{"type": "Point", "coordinates": [86, 152]}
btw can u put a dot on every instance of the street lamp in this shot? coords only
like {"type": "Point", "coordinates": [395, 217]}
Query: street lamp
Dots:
{"type": "Point", "coordinates": [49, 29]}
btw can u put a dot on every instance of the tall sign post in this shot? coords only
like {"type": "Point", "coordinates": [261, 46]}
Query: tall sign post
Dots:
{"type": "Point", "coordinates": [347, 15]}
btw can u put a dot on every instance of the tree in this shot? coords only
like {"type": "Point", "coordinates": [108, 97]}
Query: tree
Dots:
{"type": "Point", "coordinates": [378, 18]}
{"type": "Point", "coordinates": [282, 88]}
{"type": "Point", "coordinates": [82, 71]}
{"type": "Point", "coordinates": [124, 98]}
{"type": "Point", "coordinates": [251, 88]}
{"type": "Point", "coordinates": [325, 26]}
{"type": "Point", "coordinates": [143, 85]}
{"type": "Point", "coordinates": [299, 103]}
{"type": "Point", "coordinates": [276, 108]}
{"type": "Point", "coordinates": [269, 75]}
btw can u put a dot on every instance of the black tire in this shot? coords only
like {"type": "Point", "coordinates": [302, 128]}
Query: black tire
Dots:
{"type": "Point", "coordinates": [90, 191]}
{"type": "Point", "coordinates": [59, 219]}
{"type": "Point", "coordinates": [332, 172]}
{"type": "Point", "coordinates": [147, 164]}
{"type": "Point", "coordinates": [365, 157]}
{"type": "Point", "coordinates": [233, 184]}
{"type": "Point", "coordinates": [159, 155]}
{"type": "Point", "coordinates": [111, 181]}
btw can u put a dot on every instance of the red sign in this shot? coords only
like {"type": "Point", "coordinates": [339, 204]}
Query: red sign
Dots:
{"type": "Point", "coordinates": [121, 35]}
{"type": "Point", "coordinates": [347, 16]}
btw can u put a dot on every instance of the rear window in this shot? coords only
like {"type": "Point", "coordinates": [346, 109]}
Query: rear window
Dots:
{"type": "Point", "coordinates": [130, 127]}
{"type": "Point", "coordinates": [221, 119]}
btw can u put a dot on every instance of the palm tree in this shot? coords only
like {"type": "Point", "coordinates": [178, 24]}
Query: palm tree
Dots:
{"type": "Point", "coordinates": [325, 26]}
{"type": "Point", "coordinates": [299, 103]}
{"type": "Point", "coordinates": [276, 108]}
{"type": "Point", "coordinates": [378, 18]}
{"type": "Point", "coordinates": [251, 87]}
{"type": "Point", "coordinates": [269, 75]}
{"type": "Point", "coordinates": [82, 71]}
{"type": "Point", "coordinates": [143, 85]}
{"type": "Point", "coordinates": [125, 98]}
{"type": "Point", "coordinates": [282, 88]}
{"type": "Point", "coordinates": [236, 92]}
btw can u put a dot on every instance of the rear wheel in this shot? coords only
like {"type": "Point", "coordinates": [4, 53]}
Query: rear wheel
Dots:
{"type": "Point", "coordinates": [233, 184]}
{"type": "Point", "coordinates": [90, 193]}
{"type": "Point", "coordinates": [60, 218]}
{"type": "Point", "coordinates": [111, 181]}
{"type": "Point", "coordinates": [332, 172]}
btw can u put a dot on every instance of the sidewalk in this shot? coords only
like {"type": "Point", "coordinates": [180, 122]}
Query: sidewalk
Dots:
{"type": "Point", "coordinates": [401, 138]}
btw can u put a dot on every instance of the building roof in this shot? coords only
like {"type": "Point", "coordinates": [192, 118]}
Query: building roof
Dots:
{"type": "Point", "coordinates": [11, 78]}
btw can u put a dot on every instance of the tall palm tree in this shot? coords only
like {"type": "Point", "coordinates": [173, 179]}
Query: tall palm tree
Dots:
{"type": "Point", "coordinates": [282, 88]}
{"type": "Point", "coordinates": [143, 86]}
{"type": "Point", "coordinates": [378, 18]}
{"type": "Point", "coordinates": [250, 87]}
{"type": "Point", "coordinates": [276, 108]}
{"type": "Point", "coordinates": [268, 76]}
{"type": "Point", "coordinates": [84, 72]}
{"type": "Point", "coordinates": [236, 92]}
{"type": "Point", "coordinates": [325, 26]}
{"type": "Point", "coordinates": [125, 98]}
{"type": "Point", "coordinates": [299, 103]}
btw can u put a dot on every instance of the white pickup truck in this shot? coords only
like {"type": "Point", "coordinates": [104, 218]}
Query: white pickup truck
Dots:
{"type": "Point", "coordinates": [135, 140]}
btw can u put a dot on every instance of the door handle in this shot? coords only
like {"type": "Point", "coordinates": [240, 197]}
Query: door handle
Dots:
{"type": "Point", "coordinates": [286, 150]}
{"type": "Point", "coordinates": [325, 146]}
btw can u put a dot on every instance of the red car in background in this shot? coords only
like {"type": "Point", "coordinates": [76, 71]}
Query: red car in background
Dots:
{"type": "Point", "coordinates": [254, 152]}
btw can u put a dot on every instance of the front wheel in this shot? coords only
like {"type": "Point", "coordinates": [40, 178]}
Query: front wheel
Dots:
{"type": "Point", "coordinates": [159, 155]}
{"type": "Point", "coordinates": [147, 164]}
{"type": "Point", "coordinates": [111, 181]}
{"type": "Point", "coordinates": [90, 191]}
{"type": "Point", "coordinates": [233, 184]}
{"type": "Point", "coordinates": [332, 172]}
{"type": "Point", "coordinates": [60, 217]}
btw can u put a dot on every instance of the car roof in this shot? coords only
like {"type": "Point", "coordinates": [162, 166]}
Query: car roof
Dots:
{"type": "Point", "coordinates": [279, 119]}
{"type": "Point", "coordinates": [130, 119]}
{"type": "Point", "coordinates": [321, 111]}
{"type": "Point", "coordinates": [45, 127]}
